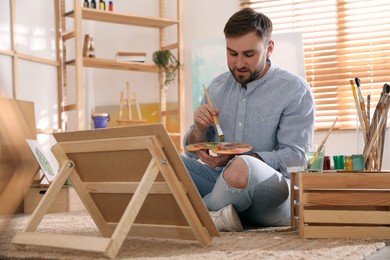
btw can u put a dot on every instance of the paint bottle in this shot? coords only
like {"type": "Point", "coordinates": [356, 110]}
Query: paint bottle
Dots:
{"type": "Point", "coordinates": [102, 5]}
{"type": "Point", "coordinates": [111, 6]}
{"type": "Point", "coordinates": [358, 162]}
{"type": "Point", "coordinates": [326, 163]}
{"type": "Point", "coordinates": [86, 3]}
{"type": "Point", "coordinates": [339, 162]}
{"type": "Point", "coordinates": [93, 4]}
{"type": "Point", "coordinates": [348, 163]}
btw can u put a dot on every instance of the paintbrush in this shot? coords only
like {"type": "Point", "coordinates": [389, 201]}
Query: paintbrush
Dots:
{"type": "Point", "coordinates": [215, 118]}
{"type": "Point", "coordinates": [322, 144]}
{"type": "Point", "coordinates": [376, 118]}
{"type": "Point", "coordinates": [368, 108]}
{"type": "Point", "coordinates": [386, 90]}
{"type": "Point", "coordinates": [359, 110]}
{"type": "Point", "coordinates": [362, 105]}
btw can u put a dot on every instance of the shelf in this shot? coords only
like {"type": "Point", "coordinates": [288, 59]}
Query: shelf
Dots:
{"type": "Point", "coordinates": [117, 65]}
{"type": "Point", "coordinates": [157, 23]}
{"type": "Point", "coordinates": [112, 17]}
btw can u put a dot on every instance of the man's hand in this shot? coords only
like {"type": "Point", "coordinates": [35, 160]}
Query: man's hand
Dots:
{"type": "Point", "coordinates": [203, 118]}
{"type": "Point", "coordinates": [214, 161]}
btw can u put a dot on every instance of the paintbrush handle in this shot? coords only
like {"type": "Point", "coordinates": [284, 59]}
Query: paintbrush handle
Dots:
{"type": "Point", "coordinates": [215, 118]}
{"type": "Point", "coordinates": [362, 105]}
{"type": "Point", "coordinates": [323, 142]}
{"type": "Point", "coordinates": [359, 110]}
{"type": "Point", "coordinates": [207, 95]}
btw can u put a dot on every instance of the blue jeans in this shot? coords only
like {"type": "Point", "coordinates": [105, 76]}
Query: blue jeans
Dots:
{"type": "Point", "coordinates": [264, 202]}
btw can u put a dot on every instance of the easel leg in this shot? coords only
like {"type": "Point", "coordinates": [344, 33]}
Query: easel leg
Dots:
{"type": "Point", "coordinates": [132, 209]}
{"type": "Point", "coordinates": [49, 197]}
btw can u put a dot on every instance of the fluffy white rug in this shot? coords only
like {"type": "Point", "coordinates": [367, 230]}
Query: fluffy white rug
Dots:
{"type": "Point", "coordinates": [267, 243]}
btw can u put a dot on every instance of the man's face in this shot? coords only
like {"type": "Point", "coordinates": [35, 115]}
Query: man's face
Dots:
{"type": "Point", "coordinates": [246, 57]}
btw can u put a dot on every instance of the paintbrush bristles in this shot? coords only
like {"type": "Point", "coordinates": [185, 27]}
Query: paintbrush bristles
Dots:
{"type": "Point", "coordinates": [215, 118]}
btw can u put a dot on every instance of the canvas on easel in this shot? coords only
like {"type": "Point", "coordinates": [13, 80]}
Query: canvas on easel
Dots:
{"type": "Point", "coordinates": [132, 181]}
{"type": "Point", "coordinates": [47, 163]}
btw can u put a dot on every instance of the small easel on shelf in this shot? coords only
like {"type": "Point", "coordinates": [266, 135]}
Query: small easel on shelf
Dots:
{"type": "Point", "coordinates": [89, 47]}
{"type": "Point", "coordinates": [128, 101]}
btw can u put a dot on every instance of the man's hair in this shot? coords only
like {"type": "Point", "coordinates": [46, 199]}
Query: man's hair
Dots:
{"type": "Point", "coordinates": [248, 20]}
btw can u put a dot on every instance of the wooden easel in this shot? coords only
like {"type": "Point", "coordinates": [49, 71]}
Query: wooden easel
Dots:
{"type": "Point", "coordinates": [132, 182]}
{"type": "Point", "coordinates": [128, 101]}
{"type": "Point", "coordinates": [89, 47]}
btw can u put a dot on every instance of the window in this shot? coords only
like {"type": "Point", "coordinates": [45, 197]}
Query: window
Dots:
{"type": "Point", "coordinates": [342, 40]}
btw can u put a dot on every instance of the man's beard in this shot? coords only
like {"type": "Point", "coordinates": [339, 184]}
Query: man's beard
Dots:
{"type": "Point", "coordinates": [243, 80]}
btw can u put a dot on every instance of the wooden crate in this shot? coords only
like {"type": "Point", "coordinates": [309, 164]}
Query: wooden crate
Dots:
{"type": "Point", "coordinates": [341, 205]}
{"type": "Point", "coordinates": [67, 200]}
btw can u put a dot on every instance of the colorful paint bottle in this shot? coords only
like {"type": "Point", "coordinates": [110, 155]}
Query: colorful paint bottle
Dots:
{"type": "Point", "coordinates": [102, 5]}
{"type": "Point", "coordinates": [93, 4]}
{"type": "Point", "coordinates": [348, 163]}
{"type": "Point", "coordinates": [358, 162]}
{"type": "Point", "coordinates": [339, 162]}
{"type": "Point", "coordinates": [326, 163]}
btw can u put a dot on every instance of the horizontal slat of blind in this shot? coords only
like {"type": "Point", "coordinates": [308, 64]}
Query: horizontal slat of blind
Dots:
{"type": "Point", "coordinates": [342, 40]}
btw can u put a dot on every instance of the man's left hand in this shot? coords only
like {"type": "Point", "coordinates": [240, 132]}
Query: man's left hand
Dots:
{"type": "Point", "coordinates": [214, 161]}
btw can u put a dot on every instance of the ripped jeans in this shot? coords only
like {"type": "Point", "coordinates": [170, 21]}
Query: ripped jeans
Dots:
{"type": "Point", "coordinates": [264, 202]}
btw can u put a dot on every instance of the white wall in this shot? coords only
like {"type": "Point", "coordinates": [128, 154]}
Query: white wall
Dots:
{"type": "Point", "coordinates": [203, 19]}
{"type": "Point", "coordinates": [34, 35]}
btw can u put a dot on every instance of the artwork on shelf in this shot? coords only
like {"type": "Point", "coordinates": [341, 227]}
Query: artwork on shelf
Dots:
{"type": "Point", "coordinates": [45, 159]}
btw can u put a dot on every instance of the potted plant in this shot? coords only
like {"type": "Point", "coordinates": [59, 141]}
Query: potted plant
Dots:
{"type": "Point", "coordinates": [168, 65]}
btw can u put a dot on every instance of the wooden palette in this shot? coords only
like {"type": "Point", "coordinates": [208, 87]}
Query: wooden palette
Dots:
{"type": "Point", "coordinates": [220, 147]}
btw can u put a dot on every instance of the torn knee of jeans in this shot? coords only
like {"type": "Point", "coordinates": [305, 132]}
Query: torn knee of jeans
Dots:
{"type": "Point", "coordinates": [236, 173]}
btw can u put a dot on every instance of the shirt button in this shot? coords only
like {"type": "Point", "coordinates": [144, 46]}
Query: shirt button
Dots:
{"type": "Point", "coordinates": [263, 119]}
{"type": "Point", "coordinates": [240, 124]}
{"type": "Point", "coordinates": [244, 99]}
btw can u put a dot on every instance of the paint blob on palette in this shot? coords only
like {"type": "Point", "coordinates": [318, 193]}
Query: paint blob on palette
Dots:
{"type": "Point", "coordinates": [220, 147]}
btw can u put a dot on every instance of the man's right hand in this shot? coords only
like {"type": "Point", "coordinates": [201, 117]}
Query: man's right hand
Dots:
{"type": "Point", "coordinates": [203, 118]}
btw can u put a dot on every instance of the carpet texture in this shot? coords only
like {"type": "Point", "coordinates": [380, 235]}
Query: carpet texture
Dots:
{"type": "Point", "coordinates": [266, 243]}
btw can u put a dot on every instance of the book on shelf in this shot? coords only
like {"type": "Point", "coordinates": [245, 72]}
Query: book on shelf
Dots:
{"type": "Point", "coordinates": [130, 56]}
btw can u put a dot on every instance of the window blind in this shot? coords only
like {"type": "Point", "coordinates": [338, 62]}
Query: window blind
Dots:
{"type": "Point", "coordinates": [342, 40]}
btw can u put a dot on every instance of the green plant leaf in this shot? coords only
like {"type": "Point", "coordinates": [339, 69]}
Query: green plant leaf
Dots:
{"type": "Point", "coordinates": [167, 64]}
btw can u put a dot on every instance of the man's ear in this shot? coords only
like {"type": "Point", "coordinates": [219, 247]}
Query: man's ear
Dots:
{"type": "Point", "coordinates": [270, 48]}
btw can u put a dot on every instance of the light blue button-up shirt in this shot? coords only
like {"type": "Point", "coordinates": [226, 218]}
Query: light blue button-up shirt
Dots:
{"type": "Point", "coordinates": [275, 115]}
